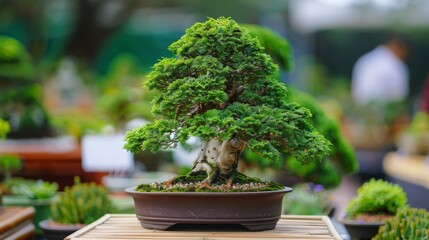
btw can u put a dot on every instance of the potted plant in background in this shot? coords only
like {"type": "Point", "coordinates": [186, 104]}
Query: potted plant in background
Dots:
{"type": "Point", "coordinates": [408, 224]}
{"type": "Point", "coordinates": [22, 192]}
{"type": "Point", "coordinates": [77, 206]}
{"type": "Point", "coordinates": [20, 93]}
{"type": "Point", "coordinates": [220, 87]}
{"type": "Point", "coordinates": [376, 202]}
{"type": "Point", "coordinates": [415, 139]}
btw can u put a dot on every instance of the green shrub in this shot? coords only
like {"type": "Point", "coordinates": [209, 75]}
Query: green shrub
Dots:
{"type": "Point", "coordinates": [377, 197]}
{"type": "Point", "coordinates": [8, 164]}
{"type": "Point", "coordinates": [4, 128]}
{"type": "Point", "coordinates": [408, 224]}
{"type": "Point", "coordinates": [81, 203]}
{"type": "Point", "coordinates": [15, 63]}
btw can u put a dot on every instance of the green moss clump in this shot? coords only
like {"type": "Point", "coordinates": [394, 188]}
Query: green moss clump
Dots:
{"type": "Point", "coordinates": [377, 197]}
{"type": "Point", "coordinates": [193, 183]}
{"type": "Point", "coordinates": [408, 224]}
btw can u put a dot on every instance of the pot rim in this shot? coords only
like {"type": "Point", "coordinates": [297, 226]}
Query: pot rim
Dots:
{"type": "Point", "coordinates": [45, 224]}
{"type": "Point", "coordinates": [130, 190]}
{"type": "Point", "coordinates": [360, 222]}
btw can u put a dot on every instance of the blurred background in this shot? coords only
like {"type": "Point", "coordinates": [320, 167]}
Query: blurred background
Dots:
{"type": "Point", "coordinates": [82, 64]}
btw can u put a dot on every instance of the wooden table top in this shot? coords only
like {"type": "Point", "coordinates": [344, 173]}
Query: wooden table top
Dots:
{"type": "Point", "coordinates": [126, 226]}
{"type": "Point", "coordinates": [412, 169]}
{"type": "Point", "coordinates": [16, 223]}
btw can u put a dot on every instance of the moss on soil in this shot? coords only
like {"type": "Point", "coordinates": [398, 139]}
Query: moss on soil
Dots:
{"type": "Point", "coordinates": [194, 183]}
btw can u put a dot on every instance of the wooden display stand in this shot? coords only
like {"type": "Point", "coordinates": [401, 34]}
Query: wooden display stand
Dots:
{"type": "Point", "coordinates": [17, 223]}
{"type": "Point", "coordinates": [126, 226]}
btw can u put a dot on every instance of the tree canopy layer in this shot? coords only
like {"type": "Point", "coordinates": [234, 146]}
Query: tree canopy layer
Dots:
{"type": "Point", "coordinates": [221, 85]}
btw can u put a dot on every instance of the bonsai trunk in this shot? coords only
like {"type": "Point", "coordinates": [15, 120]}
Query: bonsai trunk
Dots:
{"type": "Point", "coordinates": [219, 159]}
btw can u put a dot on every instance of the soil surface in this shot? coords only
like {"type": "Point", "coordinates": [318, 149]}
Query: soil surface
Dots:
{"type": "Point", "coordinates": [186, 183]}
{"type": "Point", "coordinates": [368, 218]}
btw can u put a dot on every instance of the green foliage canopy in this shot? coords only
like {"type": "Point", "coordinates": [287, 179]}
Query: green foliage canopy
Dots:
{"type": "Point", "coordinates": [221, 85]}
{"type": "Point", "coordinates": [15, 62]}
{"type": "Point", "coordinates": [377, 197]}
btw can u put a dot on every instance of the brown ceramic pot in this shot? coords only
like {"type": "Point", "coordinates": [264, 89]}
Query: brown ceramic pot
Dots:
{"type": "Point", "coordinates": [359, 230]}
{"type": "Point", "coordinates": [58, 231]}
{"type": "Point", "coordinates": [255, 211]}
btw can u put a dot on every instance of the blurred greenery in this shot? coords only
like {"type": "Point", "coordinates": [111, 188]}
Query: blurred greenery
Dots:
{"type": "Point", "coordinates": [9, 164]}
{"type": "Point", "coordinates": [307, 199]}
{"type": "Point", "coordinates": [131, 100]}
{"type": "Point", "coordinates": [20, 94]}
{"type": "Point", "coordinates": [32, 189]}
{"type": "Point", "coordinates": [342, 159]}
{"type": "Point", "coordinates": [4, 128]}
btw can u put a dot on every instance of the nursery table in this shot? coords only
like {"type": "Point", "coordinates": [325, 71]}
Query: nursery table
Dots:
{"type": "Point", "coordinates": [126, 226]}
{"type": "Point", "coordinates": [410, 172]}
{"type": "Point", "coordinates": [16, 223]}
{"type": "Point", "coordinates": [42, 159]}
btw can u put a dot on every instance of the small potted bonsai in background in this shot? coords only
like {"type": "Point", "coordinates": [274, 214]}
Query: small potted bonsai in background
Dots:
{"type": "Point", "coordinates": [77, 206]}
{"type": "Point", "coordinates": [376, 202]}
{"type": "Point", "coordinates": [408, 224]}
{"type": "Point", "coordinates": [222, 88]}
{"type": "Point", "coordinates": [20, 93]}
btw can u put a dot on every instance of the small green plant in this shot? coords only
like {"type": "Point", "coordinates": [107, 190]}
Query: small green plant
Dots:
{"type": "Point", "coordinates": [408, 224]}
{"type": "Point", "coordinates": [81, 203]}
{"type": "Point", "coordinates": [33, 189]}
{"type": "Point", "coordinates": [377, 197]}
{"type": "Point", "coordinates": [8, 164]}
{"type": "Point", "coordinates": [4, 128]}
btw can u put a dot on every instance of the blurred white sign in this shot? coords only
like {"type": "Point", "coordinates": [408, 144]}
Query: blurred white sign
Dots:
{"type": "Point", "coordinates": [105, 153]}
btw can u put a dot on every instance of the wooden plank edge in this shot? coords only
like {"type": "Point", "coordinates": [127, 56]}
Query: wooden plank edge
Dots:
{"type": "Point", "coordinates": [331, 228]}
{"type": "Point", "coordinates": [88, 228]}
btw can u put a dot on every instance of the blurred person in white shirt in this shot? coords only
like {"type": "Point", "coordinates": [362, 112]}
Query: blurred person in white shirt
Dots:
{"type": "Point", "coordinates": [381, 76]}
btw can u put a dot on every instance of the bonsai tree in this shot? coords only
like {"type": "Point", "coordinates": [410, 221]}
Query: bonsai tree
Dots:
{"type": "Point", "coordinates": [376, 200]}
{"type": "Point", "coordinates": [20, 95]}
{"type": "Point", "coordinates": [222, 88]}
{"type": "Point", "coordinates": [342, 159]}
{"type": "Point", "coordinates": [408, 224]}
